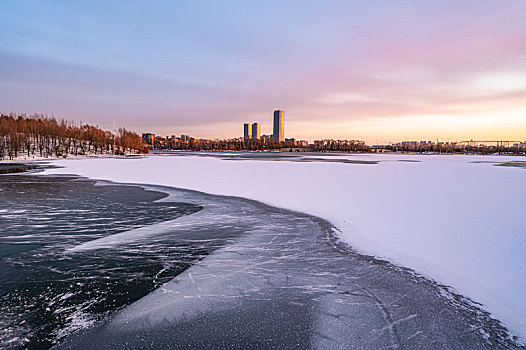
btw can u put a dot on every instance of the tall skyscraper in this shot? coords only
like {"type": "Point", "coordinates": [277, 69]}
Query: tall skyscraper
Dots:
{"type": "Point", "coordinates": [247, 131]}
{"type": "Point", "coordinates": [256, 131]}
{"type": "Point", "coordinates": [279, 126]}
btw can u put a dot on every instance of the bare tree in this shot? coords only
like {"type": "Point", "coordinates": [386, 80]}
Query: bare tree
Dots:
{"type": "Point", "coordinates": [51, 138]}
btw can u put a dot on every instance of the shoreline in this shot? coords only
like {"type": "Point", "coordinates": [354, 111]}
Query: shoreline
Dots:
{"type": "Point", "coordinates": [301, 153]}
{"type": "Point", "coordinates": [37, 159]}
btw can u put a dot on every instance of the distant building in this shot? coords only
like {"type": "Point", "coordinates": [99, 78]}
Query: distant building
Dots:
{"type": "Point", "coordinates": [256, 131]}
{"type": "Point", "coordinates": [185, 138]}
{"type": "Point", "coordinates": [159, 141]}
{"type": "Point", "coordinates": [279, 126]}
{"type": "Point", "coordinates": [247, 131]}
{"type": "Point", "coordinates": [380, 148]}
{"type": "Point", "coordinates": [302, 143]}
{"type": "Point", "coordinates": [148, 138]}
{"type": "Point", "coordinates": [291, 140]}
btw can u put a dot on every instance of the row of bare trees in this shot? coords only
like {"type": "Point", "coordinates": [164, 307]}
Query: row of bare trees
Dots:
{"type": "Point", "coordinates": [43, 136]}
{"type": "Point", "coordinates": [240, 144]}
{"type": "Point", "coordinates": [459, 148]}
{"type": "Point", "coordinates": [219, 145]}
{"type": "Point", "coordinates": [339, 146]}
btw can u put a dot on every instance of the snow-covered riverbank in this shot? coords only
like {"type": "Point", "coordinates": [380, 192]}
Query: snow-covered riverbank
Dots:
{"type": "Point", "coordinates": [456, 219]}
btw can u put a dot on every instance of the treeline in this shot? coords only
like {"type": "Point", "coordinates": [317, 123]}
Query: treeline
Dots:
{"type": "Point", "coordinates": [461, 149]}
{"type": "Point", "coordinates": [329, 145]}
{"type": "Point", "coordinates": [339, 146]}
{"type": "Point", "coordinates": [43, 136]}
{"type": "Point", "coordinates": [257, 145]}
{"type": "Point", "coordinates": [222, 145]}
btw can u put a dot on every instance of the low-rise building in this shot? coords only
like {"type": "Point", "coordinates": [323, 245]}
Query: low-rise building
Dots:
{"type": "Point", "coordinates": [148, 138]}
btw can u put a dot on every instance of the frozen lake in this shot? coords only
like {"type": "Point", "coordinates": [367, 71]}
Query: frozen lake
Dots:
{"type": "Point", "coordinates": [286, 282]}
{"type": "Point", "coordinates": [90, 265]}
{"type": "Point", "coordinates": [458, 220]}
{"type": "Point", "coordinates": [46, 291]}
{"type": "Point", "coordinates": [117, 266]}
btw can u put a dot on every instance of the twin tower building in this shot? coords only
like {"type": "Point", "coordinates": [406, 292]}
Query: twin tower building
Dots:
{"type": "Point", "coordinates": [254, 131]}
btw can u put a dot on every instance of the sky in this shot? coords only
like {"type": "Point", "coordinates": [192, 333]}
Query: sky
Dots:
{"type": "Point", "coordinates": [378, 71]}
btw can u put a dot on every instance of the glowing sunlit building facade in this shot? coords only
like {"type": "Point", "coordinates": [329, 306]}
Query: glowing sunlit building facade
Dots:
{"type": "Point", "coordinates": [256, 131]}
{"type": "Point", "coordinates": [247, 131]}
{"type": "Point", "coordinates": [279, 126]}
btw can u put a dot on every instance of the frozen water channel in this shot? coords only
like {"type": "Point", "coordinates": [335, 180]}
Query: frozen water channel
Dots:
{"type": "Point", "coordinates": [46, 290]}
{"type": "Point", "coordinates": [281, 281]}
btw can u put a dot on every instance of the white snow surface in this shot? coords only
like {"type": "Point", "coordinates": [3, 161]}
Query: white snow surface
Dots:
{"type": "Point", "coordinates": [459, 222]}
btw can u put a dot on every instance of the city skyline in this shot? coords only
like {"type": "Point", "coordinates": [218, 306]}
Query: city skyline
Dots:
{"type": "Point", "coordinates": [278, 128]}
{"type": "Point", "coordinates": [376, 72]}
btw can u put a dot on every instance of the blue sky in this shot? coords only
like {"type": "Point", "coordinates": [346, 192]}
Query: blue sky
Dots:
{"type": "Point", "coordinates": [373, 70]}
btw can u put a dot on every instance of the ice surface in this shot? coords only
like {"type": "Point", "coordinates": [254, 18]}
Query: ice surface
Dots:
{"type": "Point", "coordinates": [48, 291]}
{"type": "Point", "coordinates": [287, 282]}
{"type": "Point", "coordinates": [457, 219]}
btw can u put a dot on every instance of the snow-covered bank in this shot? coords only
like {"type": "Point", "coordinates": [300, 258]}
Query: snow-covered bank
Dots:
{"type": "Point", "coordinates": [24, 158]}
{"type": "Point", "coordinates": [458, 222]}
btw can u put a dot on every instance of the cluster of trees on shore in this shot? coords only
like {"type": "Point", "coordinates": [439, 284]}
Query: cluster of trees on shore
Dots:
{"type": "Point", "coordinates": [43, 136]}
{"type": "Point", "coordinates": [339, 146]}
{"type": "Point", "coordinates": [222, 145]}
{"type": "Point", "coordinates": [241, 144]}
{"type": "Point", "coordinates": [461, 148]}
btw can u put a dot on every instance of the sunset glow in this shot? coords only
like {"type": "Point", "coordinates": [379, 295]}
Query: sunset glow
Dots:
{"type": "Point", "coordinates": [379, 72]}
